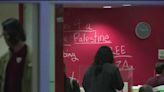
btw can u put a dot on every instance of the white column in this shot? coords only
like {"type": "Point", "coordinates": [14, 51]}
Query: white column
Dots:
{"type": "Point", "coordinates": [30, 18]}
{"type": "Point", "coordinates": [52, 48]}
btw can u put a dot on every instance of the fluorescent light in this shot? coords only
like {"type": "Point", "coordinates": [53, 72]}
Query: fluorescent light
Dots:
{"type": "Point", "coordinates": [107, 6]}
{"type": "Point", "coordinates": [126, 5]}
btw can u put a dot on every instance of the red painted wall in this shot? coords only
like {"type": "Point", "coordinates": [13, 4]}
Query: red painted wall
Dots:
{"type": "Point", "coordinates": [115, 28]}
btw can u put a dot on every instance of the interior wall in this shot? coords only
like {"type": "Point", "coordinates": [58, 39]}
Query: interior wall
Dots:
{"type": "Point", "coordinates": [119, 25]}
{"type": "Point", "coordinates": [7, 11]}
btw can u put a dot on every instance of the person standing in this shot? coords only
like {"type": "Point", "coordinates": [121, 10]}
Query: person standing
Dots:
{"type": "Point", "coordinates": [103, 75]}
{"type": "Point", "coordinates": [16, 64]}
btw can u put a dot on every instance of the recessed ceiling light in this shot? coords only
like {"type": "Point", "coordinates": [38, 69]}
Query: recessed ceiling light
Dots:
{"type": "Point", "coordinates": [107, 6]}
{"type": "Point", "coordinates": [126, 5]}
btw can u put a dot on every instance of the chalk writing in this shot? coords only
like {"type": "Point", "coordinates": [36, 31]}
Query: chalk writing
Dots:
{"type": "Point", "coordinates": [118, 63]}
{"type": "Point", "coordinates": [87, 36]}
{"type": "Point", "coordinates": [77, 24]}
{"type": "Point", "coordinates": [72, 77]}
{"type": "Point", "coordinates": [119, 50]}
{"type": "Point", "coordinates": [122, 56]}
{"type": "Point", "coordinates": [88, 27]}
{"type": "Point", "coordinates": [71, 55]}
{"type": "Point", "coordinates": [123, 64]}
{"type": "Point", "coordinates": [67, 44]}
{"type": "Point", "coordinates": [83, 38]}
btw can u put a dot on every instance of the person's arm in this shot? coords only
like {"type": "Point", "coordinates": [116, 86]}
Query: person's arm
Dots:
{"type": "Point", "coordinates": [118, 82]}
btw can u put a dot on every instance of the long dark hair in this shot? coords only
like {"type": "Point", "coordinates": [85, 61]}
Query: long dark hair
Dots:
{"type": "Point", "coordinates": [103, 55]}
{"type": "Point", "coordinates": [14, 29]}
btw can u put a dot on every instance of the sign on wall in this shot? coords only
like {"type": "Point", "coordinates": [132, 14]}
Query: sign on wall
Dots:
{"type": "Point", "coordinates": [161, 54]}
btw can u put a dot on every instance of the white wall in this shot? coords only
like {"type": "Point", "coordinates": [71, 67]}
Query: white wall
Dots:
{"type": "Point", "coordinates": [6, 11]}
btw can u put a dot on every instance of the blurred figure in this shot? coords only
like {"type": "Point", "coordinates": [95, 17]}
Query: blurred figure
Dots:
{"type": "Point", "coordinates": [146, 88]}
{"type": "Point", "coordinates": [70, 85]}
{"type": "Point", "coordinates": [158, 79]}
{"type": "Point", "coordinates": [103, 75]}
{"type": "Point", "coordinates": [16, 64]}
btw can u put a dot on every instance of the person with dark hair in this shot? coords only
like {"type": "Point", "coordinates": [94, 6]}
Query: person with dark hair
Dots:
{"type": "Point", "coordinates": [70, 85]}
{"type": "Point", "coordinates": [103, 75]}
{"type": "Point", "coordinates": [146, 88]}
{"type": "Point", "coordinates": [158, 79]}
{"type": "Point", "coordinates": [16, 64]}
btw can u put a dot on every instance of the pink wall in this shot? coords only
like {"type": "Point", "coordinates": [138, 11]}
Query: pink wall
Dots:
{"type": "Point", "coordinates": [115, 28]}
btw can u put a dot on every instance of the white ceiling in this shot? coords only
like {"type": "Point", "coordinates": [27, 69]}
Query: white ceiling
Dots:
{"type": "Point", "coordinates": [100, 4]}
